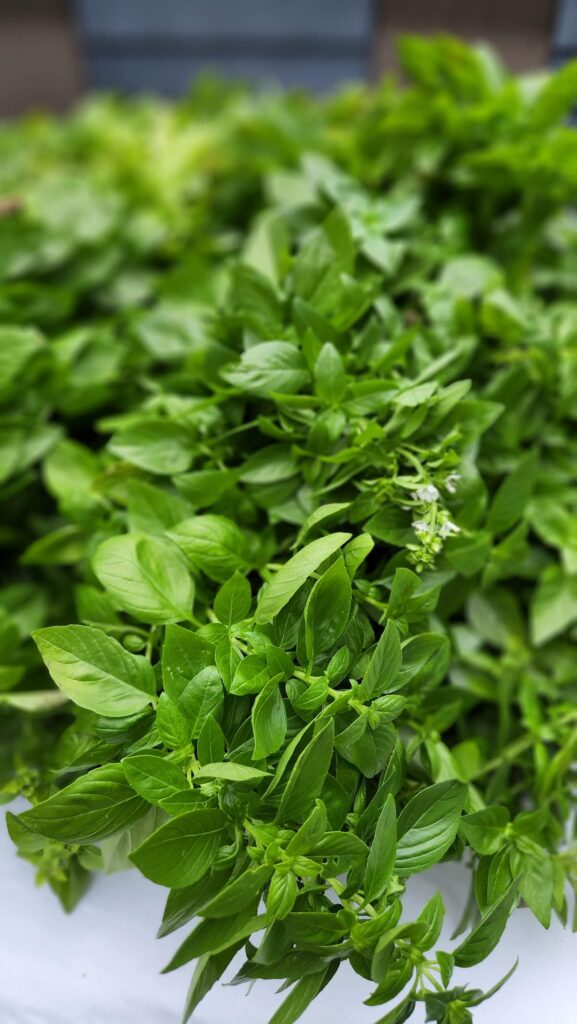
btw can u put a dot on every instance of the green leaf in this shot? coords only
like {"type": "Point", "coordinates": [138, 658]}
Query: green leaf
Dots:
{"type": "Point", "coordinates": [281, 895]}
{"type": "Point", "coordinates": [271, 366]}
{"type": "Point", "coordinates": [208, 970]}
{"type": "Point", "coordinates": [201, 699]}
{"type": "Point", "coordinates": [152, 510]}
{"type": "Point", "coordinates": [34, 700]}
{"type": "Point", "coordinates": [269, 721]}
{"type": "Point", "coordinates": [329, 373]}
{"type": "Point", "coordinates": [239, 893]}
{"type": "Point", "coordinates": [18, 346]}
{"type": "Point", "coordinates": [428, 825]}
{"type": "Point", "coordinates": [381, 860]}
{"type": "Point", "coordinates": [230, 771]}
{"type": "Point", "coordinates": [145, 577]}
{"type": "Point", "coordinates": [513, 495]}
{"type": "Point", "coordinates": [485, 830]}
{"type": "Point", "coordinates": [205, 487]}
{"type": "Point", "coordinates": [327, 609]}
{"type": "Point", "coordinates": [228, 657]}
{"type": "Point", "coordinates": [214, 935]}
{"type": "Point", "coordinates": [341, 844]}
{"type": "Point", "coordinates": [232, 603]}
{"type": "Point", "coordinates": [399, 1014]}
{"type": "Point", "coordinates": [251, 676]}
{"type": "Point", "coordinates": [184, 655]}
{"type": "Point", "coordinates": [553, 605]}
{"type": "Point", "coordinates": [213, 545]}
{"type": "Point", "coordinates": [70, 472]}
{"type": "Point", "coordinates": [184, 904]}
{"type": "Point", "coordinates": [156, 445]}
{"type": "Point", "coordinates": [174, 728]}
{"type": "Point", "coordinates": [536, 887]}
{"type": "Point", "coordinates": [307, 778]}
{"type": "Point", "coordinates": [433, 915]}
{"type": "Point", "coordinates": [484, 937]}
{"type": "Point", "coordinates": [153, 777]}
{"type": "Point", "coordinates": [321, 516]}
{"type": "Point", "coordinates": [311, 831]}
{"type": "Point", "coordinates": [425, 661]}
{"type": "Point", "coordinates": [182, 850]}
{"type": "Point", "coordinates": [96, 805]}
{"type": "Point", "coordinates": [276, 594]}
{"type": "Point", "coordinates": [302, 995]}
{"type": "Point", "coordinates": [211, 742]}
{"type": "Point", "coordinates": [554, 100]}
{"type": "Point", "coordinates": [269, 465]}
{"type": "Point", "coordinates": [404, 585]}
{"type": "Point", "coordinates": [384, 666]}
{"type": "Point", "coordinates": [94, 671]}
{"type": "Point", "coordinates": [356, 551]}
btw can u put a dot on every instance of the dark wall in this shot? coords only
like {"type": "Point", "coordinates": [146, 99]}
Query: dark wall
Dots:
{"type": "Point", "coordinates": [150, 44]}
{"type": "Point", "coordinates": [39, 59]}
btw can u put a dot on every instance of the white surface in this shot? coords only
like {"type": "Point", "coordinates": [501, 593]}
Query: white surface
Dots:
{"type": "Point", "coordinates": [101, 964]}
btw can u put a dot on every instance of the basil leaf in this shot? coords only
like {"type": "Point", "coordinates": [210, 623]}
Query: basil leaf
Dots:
{"type": "Point", "coordinates": [306, 779]}
{"type": "Point", "coordinates": [95, 671]}
{"type": "Point", "coordinates": [327, 609]}
{"type": "Point", "coordinates": [96, 805]}
{"type": "Point", "coordinates": [302, 996]}
{"type": "Point", "coordinates": [484, 937]}
{"type": "Point", "coordinates": [182, 850]}
{"type": "Point", "coordinates": [153, 777]}
{"type": "Point", "coordinates": [174, 728]}
{"type": "Point", "coordinates": [276, 594]}
{"type": "Point", "coordinates": [201, 699]}
{"type": "Point", "coordinates": [232, 603]}
{"type": "Point", "coordinates": [384, 666]}
{"type": "Point", "coordinates": [382, 853]}
{"type": "Point", "coordinates": [236, 895]}
{"type": "Point", "coordinates": [213, 545]}
{"type": "Point", "coordinates": [427, 826]}
{"type": "Point", "coordinates": [230, 771]}
{"type": "Point", "coordinates": [209, 969]}
{"type": "Point", "coordinates": [145, 577]}
{"type": "Point", "coordinates": [272, 366]}
{"type": "Point", "coordinates": [211, 742]}
{"type": "Point", "coordinates": [184, 655]}
{"type": "Point", "coordinates": [512, 497]}
{"type": "Point", "coordinates": [269, 721]}
{"type": "Point", "coordinates": [484, 830]}
{"type": "Point", "coordinates": [156, 445]}
{"type": "Point", "coordinates": [214, 935]}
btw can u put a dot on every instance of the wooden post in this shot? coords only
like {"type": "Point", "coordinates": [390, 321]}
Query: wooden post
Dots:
{"type": "Point", "coordinates": [519, 30]}
{"type": "Point", "coordinates": [39, 62]}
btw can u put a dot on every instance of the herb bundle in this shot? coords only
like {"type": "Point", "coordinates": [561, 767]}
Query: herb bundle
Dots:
{"type": "Point", "coordinates": [288, 465]}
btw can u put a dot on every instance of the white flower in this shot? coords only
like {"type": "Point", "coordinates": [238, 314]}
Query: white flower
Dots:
{"type": "Point", "coordinates": [451, 482]}
{"type": "Point", "coordinates": [419, 526]}
{"type": "Point", "coordinates": [427, 493]}
{"type": "Point", "coordinates": [448, 528]}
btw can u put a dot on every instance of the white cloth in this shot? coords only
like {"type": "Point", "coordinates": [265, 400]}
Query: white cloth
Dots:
{"type": "Point", "coordinates": [100, 965]}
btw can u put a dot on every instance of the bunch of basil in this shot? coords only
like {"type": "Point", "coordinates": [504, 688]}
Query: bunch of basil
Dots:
{"type": "Point", "coordinates": [287, 461]}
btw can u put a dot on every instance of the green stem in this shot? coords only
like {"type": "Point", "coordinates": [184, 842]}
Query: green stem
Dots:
{"type": "Point", "coordinates": [518, 746]}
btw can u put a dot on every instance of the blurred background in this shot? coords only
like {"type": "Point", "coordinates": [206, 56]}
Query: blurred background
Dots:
{"type": "Point", "coordinates": [51, 51]}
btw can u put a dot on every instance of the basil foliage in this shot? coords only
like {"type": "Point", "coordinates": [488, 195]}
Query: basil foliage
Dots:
{"type": "Point", "coordinates": [287, 462]}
